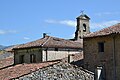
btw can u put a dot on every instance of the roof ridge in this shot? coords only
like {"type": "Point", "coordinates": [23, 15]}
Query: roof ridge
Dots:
{"type": "Point", "coordinates": [46, 41]}
{"type": "Point", "coordinates": [109, 27]}
{"type": "Point", "coordinates": [105, 31]}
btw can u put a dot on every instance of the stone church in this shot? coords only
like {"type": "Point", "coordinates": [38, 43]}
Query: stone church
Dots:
{"type": "Point", "coordinates": [51, 48]}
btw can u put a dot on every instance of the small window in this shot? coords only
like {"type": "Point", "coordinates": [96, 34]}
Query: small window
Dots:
{"type": "Point", "coordinates": [84, 27]}
{"type": "Point", "coordinates": [101, 47]}
{"type": "Point", "coordinates": [56, 49]}
{"type": "Point", "coordinates": [32, 58]}
{"type": "Point", "coordinates": [21, 58]}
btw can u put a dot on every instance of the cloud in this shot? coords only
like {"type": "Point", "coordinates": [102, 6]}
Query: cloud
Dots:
{"type": "Point", "coordinates": [73, 35]}
{"type": "Point", "coordinates": [93, 26]}
{"type": "Point", "coordinates": [107, 13]}
{"type": "Point", "coordinates": [98, 26]}
{"type": "Point", "coordinates": [26, 38]}
{"type": "Point", "coordinates": [12, 31]}
{"type": "Point", "coordinates": [64, 22]}
{"type": "Point", "coordinates": [7, 31]}
{"type": "Point", "coordinates": [2, 32]}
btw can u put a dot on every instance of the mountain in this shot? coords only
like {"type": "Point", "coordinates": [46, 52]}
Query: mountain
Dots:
{"type": "Point", "coordinates": [2, 47]}
{"type": "Point", "coordinates": [5, 47]}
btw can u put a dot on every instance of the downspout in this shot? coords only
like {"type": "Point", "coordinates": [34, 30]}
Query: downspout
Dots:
{"type": "Point", "coordinates": [114, 58]}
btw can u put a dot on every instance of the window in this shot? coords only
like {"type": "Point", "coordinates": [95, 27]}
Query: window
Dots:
{"type": "Point", "coordinates": [101, 47]}
{"type": "Point", "coordinates": [21, 58]}
{"type": "Point", "coordinates": [84, 27]}
{"type": "Point", "coordinates": [32, 58]}
{"type": "Point", "coordinates": [56, 49]}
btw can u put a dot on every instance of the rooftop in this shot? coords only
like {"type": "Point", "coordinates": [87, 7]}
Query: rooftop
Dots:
{"type": "Point", "coordinates": [115, 29]}
{"type": "Point", "coordinates": [51, 42]}
{"type": "Point", "coordinates": [22, 69]}
{"type": "Point", "coordinates": [83, 16]}
{"type": "Point", "coordinates": [6, 62]}
{"type": "Point", "coordinates": [60, 71]}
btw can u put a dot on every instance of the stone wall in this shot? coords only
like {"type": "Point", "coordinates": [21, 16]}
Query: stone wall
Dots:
{"type": "Point", "coordinates": [59, 71]}
{"type": "Point", "coordinates": [26, 53]}
{"type": "Point", "coordinates": [43, 54]}
{"type": "Point", "coordinates": [51, 54]}
{"type": "Point", "coordinates": [109, 59]}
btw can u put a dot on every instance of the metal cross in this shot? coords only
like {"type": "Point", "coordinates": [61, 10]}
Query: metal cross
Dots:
{"type": "Point", "coordinates": [82, 12]}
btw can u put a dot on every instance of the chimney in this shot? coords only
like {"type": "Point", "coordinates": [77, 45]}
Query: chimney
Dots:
{"type": "Point", "coordinates": [44, 35]}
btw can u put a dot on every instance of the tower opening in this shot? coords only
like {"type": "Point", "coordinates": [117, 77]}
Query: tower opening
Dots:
{"type": "Point", "coordinates": [84, 27]}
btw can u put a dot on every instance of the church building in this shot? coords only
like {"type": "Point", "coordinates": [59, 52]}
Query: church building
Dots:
{"type": "Point", "coordinates": [51, 48]}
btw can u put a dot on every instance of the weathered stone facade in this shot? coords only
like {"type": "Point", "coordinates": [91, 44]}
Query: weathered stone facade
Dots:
{"type": "Point", "coordinates": [59, 71]}
{"type": "Point", "coordinates": [108, 59]}
{"type": "Point", "coordinates": [43, 54]}
{"type": "Point", "coordinates": [27, 53]}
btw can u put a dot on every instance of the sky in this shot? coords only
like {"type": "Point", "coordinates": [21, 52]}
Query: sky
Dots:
{"type": "Point", "coordinates": [23, 21]}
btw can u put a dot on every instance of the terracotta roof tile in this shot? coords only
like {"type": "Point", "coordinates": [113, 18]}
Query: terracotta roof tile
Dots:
{"type": "Point", "coordinates": [53, 42]}
{"type": "Point", "coordinates": [6, 62]}
{"type": "Point", "coordinates": [9, 49]}
{"type": "Point", "coordinates": [78, 56]}
{"type": "Point", "coordinates": [105, 31]}
{"type": "Point", "coordinates": [22, 69]}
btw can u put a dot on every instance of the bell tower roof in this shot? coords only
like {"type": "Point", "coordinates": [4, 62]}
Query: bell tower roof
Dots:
{"type": "Point", "coordinates": [83, 16]}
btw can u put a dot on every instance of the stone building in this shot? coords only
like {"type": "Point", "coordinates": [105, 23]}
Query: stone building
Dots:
{"type": "Point", "coordinates": [102, 52]}
{"type": "Point", "coordinates": [45, 49]}
{"type": "Point", "coordinates": [51, 48]}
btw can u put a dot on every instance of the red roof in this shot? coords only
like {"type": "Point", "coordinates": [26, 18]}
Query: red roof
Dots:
{"type": "Point", "coordinates": [51, 42]}
{"type": "Point", "coordinates": [22, 69]}
{"type": "Point", "coordinates": [106, 31]}
{"type": "Point", "coordinates": [6, 62]}
{"type": "Point", "coordinates": [77, 56]}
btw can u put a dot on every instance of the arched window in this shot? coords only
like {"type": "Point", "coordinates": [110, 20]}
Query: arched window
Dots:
{"type": "Point", "coordinates": [84, 27]}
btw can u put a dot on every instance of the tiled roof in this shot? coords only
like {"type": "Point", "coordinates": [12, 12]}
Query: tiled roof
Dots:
{"type": "Point", "coordinates": [53, 42]}
{"type": "Point", "coordinates": [60, 71]}
{"type": "Point", "coordinates": [6, 62]}
{"type": "Point", "coordinates": [78, 56]}
{"type": "Point", "coordinates": [106, 31]}
{"type": "Point", "coordinates": [9, 49]}
{"type": "Point", "coordinates": [22, 69]}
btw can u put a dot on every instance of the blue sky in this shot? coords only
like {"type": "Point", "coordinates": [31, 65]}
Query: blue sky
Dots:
{"type": "Point", "coordinates": [22, 21]}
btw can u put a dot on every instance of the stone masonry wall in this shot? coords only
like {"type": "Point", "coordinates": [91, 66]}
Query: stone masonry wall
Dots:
{"type": "Point", "coordinates": [93, 58]}
{"type": "Point", "coordinates": [26, 53]}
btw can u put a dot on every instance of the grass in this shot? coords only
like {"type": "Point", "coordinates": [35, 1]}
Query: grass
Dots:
{"type": "Point", "coordinates": [2, 51]}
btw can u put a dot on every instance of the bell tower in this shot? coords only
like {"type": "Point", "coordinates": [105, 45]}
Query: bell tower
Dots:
{"type": "Point", "coordinates": [82, 27]}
